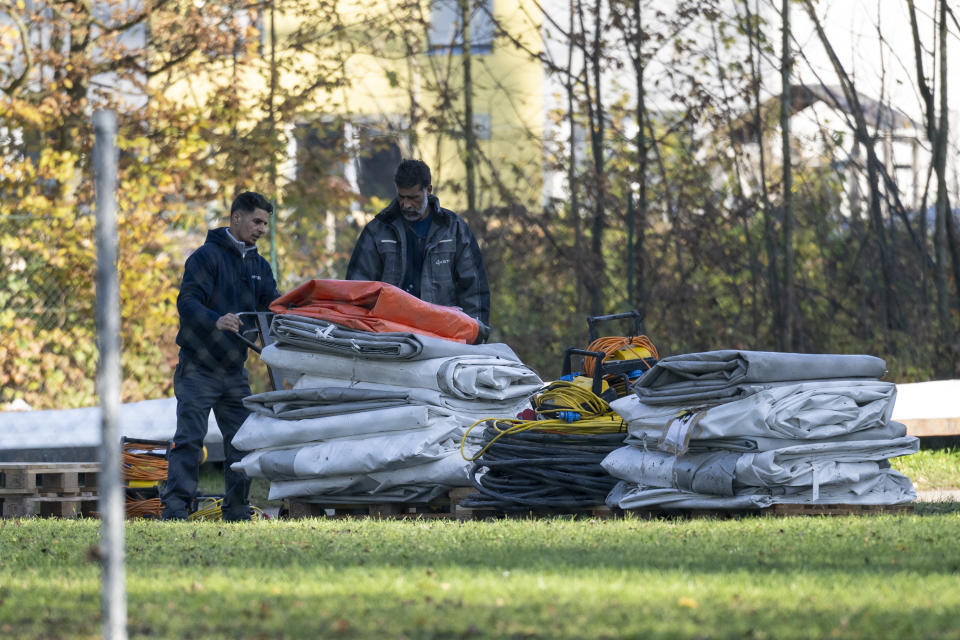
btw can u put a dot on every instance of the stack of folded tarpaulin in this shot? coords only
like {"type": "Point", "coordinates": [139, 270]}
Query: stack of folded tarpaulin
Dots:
{"type": "Point", "coordinates": [550, 461]}
{"type": "Point", "coordinates": [748, 429]}
{"type": "Point", "coordinates": [384, 386]}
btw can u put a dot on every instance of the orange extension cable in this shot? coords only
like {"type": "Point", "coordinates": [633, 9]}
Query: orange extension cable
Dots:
{"type": "Point", "coordinates": [150, 507]}
{"type": "Point", "coordinates": [611, 344]}
{"type": "Point", "coordinates": [138, 466]}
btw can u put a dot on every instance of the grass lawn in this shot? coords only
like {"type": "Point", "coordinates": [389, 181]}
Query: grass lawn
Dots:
{"type": "Point", "coordinates": [931, 468]}
{"type": "Point", "coordinates": [886, 576]}
{"type": "Point", "coordinates": [804, 577]}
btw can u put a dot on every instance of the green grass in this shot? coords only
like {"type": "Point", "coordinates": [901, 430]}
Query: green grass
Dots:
{"type": "Point", "coordinates": [931, 468]}
{"type": "Point", "coordinates": [805, 577]}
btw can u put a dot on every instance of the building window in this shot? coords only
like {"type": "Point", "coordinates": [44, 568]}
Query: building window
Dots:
{"type": "Point", "coordinates": [364, 155]}
{"type": "Point", "coordinates": [377, 158]}
{"type": "Point", "coordinates": [446, 32]}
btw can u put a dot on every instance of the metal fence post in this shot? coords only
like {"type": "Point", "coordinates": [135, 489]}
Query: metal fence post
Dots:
{"type": "Point", "coordinates": [113, 605]}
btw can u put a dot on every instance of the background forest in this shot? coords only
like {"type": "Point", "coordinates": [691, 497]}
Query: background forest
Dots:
{"type": "Point", "coordinates": [719, 166]}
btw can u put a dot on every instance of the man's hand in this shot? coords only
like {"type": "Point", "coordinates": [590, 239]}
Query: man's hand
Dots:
{"type": "Point", "coordinates": [229, 322]}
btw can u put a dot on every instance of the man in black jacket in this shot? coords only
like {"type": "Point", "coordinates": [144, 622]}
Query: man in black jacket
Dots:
{"type": "Point", "coordinates": [424, 249]}
{"type": "Point", "coordinates": [223, 277]}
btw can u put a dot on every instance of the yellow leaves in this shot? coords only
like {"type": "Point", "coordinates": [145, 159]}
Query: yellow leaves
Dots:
{"type": "Point", "coordinates": [21, 110]}
{"type": "Point", "coordinates": [687, 603]}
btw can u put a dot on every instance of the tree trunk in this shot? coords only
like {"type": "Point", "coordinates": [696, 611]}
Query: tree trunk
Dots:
{"type": "Point", "coordinates": [638, 292]}
{"type": "Point", "coordinates": [769, 226]}
{"type": "Point", "coordinates": [470, 142]}
{"type": "Point", "coordinates": [787, 339]}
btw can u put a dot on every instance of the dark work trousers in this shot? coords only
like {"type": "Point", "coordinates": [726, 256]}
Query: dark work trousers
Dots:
{"type": "Point", "coordinates": [198, 390]}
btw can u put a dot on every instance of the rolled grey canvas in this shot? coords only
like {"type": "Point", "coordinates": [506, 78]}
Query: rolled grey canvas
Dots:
{"type": "Point", "coordinates": [886, 487]}
{"type": "Point", "coordinates": [725, 473]}
{"type": "Point", "coordinates": [354, 455]}
{"type": "Point", "coordinates": [719, 376]}
{"type": "Point", "coordinates": [805, 411]}
{"type": "Point", "coordinates": [295, 404]}
{"type": "Point", "coordinates": [449, 471]}
{"type": "Point", "coordinates": [745, 444]}
{"type": "Point", "coordinates": [313, 334]}
{"type": "Point", "coordinates": [467, 377]}
{"type": "Point", "coordinates": [263, 432]}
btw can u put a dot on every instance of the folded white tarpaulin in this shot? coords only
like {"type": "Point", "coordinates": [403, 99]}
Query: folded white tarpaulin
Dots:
{"type": "Point", "coordinates": [651, 439]}
{"type": "Point", "coordinates": [314, 402]}
{"type": "Point", "coordinates": [725, 473]}
{"type": "Point", "coordinates": [718, 376]}
{"type": "Point", "coordinates": [466, 377]}
{"type": "Point", "coordinates": [886, 487]}
{"type": "Point", "coordinates": [314, 334]}
{"type": "Point", "coordinates": [262, 432]}
{"type": "Point", "coordinates": [449, 471]}
{"type": "Point", "coordinates": [353, 455]}
{"type": "Point", "coordinates": [803, 411]}
{"type": "Point", "coordinates": [475, 409]}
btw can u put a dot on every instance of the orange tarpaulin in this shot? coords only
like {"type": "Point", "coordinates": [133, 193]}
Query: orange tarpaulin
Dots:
{"type": "Point", "coordinates": [377, 307]}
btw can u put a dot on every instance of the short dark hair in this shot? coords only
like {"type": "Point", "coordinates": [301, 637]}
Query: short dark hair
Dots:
{"type": "Point", "coordinates": [248, 201]}
{"type": "Point", "coordinates": [412, 173]}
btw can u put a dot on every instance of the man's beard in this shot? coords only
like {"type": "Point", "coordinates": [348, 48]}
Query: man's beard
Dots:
{"type": "Point", "coordinates": [413, 215]}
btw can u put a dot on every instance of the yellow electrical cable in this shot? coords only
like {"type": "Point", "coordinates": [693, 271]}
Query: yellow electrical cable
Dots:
{"type": "Point", "coordinates": [562, 395]}
{"type": "Point", "coordinates": [212, 509]}
{"type": "Point", "coordinates": [612, 344]}
{"type": "Point", "coordinates": [596, 417]}
{"type": "Point", "coordinates": [591, 426]}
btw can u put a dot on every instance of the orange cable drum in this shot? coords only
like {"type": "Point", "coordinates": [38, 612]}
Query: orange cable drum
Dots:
{"type": "Point", "coordinates": [612, 344]}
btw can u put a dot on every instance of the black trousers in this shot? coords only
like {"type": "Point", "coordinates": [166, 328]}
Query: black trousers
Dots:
{"type": "Point", "coordinates": [198, 390]}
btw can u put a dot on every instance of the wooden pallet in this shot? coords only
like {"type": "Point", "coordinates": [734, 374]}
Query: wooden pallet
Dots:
{"type": "Point", "coordinates": [48, 489]}
{"type": "Point", "coordinates": [454, 509]}
{"type": "Point", "coordinates": [33, 478]}
{"type": "Point", "coordinates": [601, 512]}
{"type": "Point", "coordinates": [49, 506]}
{"type": "Point", "coordinates": [776, 511]}
{"type": "Point", "coordinates": [441, 509]}
{"type": "Point", "coordinates": [835, 509]}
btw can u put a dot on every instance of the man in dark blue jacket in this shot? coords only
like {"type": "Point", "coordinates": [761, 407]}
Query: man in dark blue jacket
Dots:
{"type": "Point", "coordinates": [223, 277]}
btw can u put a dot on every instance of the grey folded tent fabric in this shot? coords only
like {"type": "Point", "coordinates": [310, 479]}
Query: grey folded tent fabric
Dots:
{"type": "Point", "coordinates": [744, 444]}
{"type": "Point", "coordinates": [724, 473]}
{"type": "Point", "coordinates": [886, 487]}
{"type": "Point", "coordinates": [295, 404]}
{"type": "Point", "coordinates": [354, 455]}
{"type": "Point", "coordinates": [475, 408]}
{"type": "Point", "coordinates": [313, 334]}
{"type": "Point", "coordinates": [805, 411]}
{"type": "Point", "coordinates": [719, 376]}
{"type": "Point", "coordinates": [469, 377]}
{"type": "Point", "coordinates": [263, 432]}
{"type": "Point", "coordinates": [449, 471]}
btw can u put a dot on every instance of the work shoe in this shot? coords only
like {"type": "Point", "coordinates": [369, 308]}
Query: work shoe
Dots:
{"type": "Point", "coordinates": [237, 515]}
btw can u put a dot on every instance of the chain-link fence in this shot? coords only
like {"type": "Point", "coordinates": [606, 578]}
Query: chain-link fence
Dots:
{"type": "Point", "coordinates": [46, 314]}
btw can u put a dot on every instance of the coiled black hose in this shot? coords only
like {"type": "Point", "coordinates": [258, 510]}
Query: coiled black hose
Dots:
{"type": "Point", "coordinates": [546, 471]}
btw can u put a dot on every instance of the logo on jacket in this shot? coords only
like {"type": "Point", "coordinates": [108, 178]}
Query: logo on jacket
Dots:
{"type": "Point", "coordinates": [442, 261]}
{"type": "Point", "coordinates": [256, 277]}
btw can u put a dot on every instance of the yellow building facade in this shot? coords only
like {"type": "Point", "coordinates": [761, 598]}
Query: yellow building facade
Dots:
{"type": "Point", "coordinates": [403, 94]}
